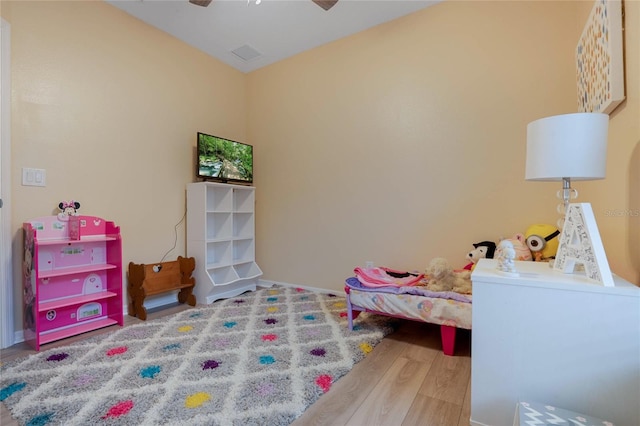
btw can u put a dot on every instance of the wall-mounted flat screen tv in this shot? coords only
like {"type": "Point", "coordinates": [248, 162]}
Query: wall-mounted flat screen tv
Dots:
{"type": "Point", "coordinates": [224, 160]}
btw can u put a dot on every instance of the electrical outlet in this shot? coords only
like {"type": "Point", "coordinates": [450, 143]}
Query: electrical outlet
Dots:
{"type": "Point", "coordinates": [34, 177]}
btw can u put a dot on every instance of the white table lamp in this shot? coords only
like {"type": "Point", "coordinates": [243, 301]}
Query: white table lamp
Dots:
{"type": "Point", "coordinates": [567, 147]}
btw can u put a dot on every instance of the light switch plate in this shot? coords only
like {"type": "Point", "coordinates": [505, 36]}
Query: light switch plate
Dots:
{"type": "Point", "coordinates": [34, 177]}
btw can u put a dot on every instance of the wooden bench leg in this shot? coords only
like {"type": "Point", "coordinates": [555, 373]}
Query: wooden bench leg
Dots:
{"type": "Point", "coordinates": [448, 337]}
{"type": "Point", "coordinates": [186, 295]}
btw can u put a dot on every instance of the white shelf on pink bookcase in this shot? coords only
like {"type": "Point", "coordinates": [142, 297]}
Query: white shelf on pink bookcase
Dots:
{"type": "Point", "coordinates": [76, 329]}
{"type": "Point", "coordinates": [87, 239]}
{"type": "Point", "coordinates": [76, 300]}
{"type": "Point", "coordinates": [76, 270]}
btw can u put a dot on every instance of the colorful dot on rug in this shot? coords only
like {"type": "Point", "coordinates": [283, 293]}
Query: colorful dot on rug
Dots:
{"type": "Point", "coordinates": [366, 347]}
{"type": "Point", "coordinates": [272, 309]}
{"type": "Point", "coordinates": [271, 321]}
{"type": "Point", "coordinates": [83, 380]}
{"type": "Point", "coordinates": [150, 372]}
{"type": "Point", "coordinates": [343, 314]}
{"type": "Point", "coordinates": [238, 301]}
{"type": "Point", "coordinates": [339, 305]}
{"type": "Point", "coordinates": [171, 347]}
{"type": "Point", "coordinates": [40, 420]}
{"type": "Point", "coordinates": [185, 328]}
{"type": "Point", "coordinates": [196, 400]}
{"type": "Point", "coordinates": [318, 352]}
{"type": "Point", "coordinates": [269, 337]}
{"type": "Point", "coordinates": [272, 299]}
{"type": "Point", "coordinates": [57, 357]}
{"type": "Point", "coordinates": [222, 342]}
{"type": "Point", "coordinates": [267, 359]}
{"type": "Point", "coordinates": [266, 389]}
{"type": "Point", "coordinates": [118, 410]}
{"type": "Point", "coordinates": [230, 324]}
{"type": "Point", "coordinates": [10, 390]}
{"type": "Point", "coordinates": [195, 315]}
{"type": "Point", "coordinates": [309, 317]}
{"type": "Point", "coordinates": [210, 364]}
{"type": "Point", "coordinates": [324, 381]}
{"type": "Point", "coordinates": [117, 351]}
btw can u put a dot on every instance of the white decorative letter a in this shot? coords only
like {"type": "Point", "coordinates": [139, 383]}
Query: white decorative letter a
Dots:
{"type": "Point", "coordinates": [580, 243]}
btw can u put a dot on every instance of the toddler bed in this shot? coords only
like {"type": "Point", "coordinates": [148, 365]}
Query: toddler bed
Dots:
{"type": "Point", "coordinates": [448, 309]}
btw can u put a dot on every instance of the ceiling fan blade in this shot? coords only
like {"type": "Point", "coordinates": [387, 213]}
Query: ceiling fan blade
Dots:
{"type": "Point", "coordinates": [325, 4]}
{"type": "Point", "coordinates": [203, 3]}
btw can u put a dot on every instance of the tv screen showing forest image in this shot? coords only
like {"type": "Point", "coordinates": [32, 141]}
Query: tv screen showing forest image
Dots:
{"type": "Point", "coordinates": [224, 160]}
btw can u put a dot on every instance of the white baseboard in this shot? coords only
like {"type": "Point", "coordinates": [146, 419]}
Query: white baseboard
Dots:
{"type": "Point", "coordinates": [18, 337]}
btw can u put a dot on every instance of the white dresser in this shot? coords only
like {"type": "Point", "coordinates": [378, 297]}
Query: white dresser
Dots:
{"type": "Point", "coordinates": [555, 338]}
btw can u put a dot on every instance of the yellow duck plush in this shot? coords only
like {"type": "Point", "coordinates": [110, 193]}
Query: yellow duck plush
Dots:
{"type": "Point", "coordinates": [543, 240]}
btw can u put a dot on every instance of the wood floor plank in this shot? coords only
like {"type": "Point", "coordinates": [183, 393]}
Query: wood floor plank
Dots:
{"type": "Point", "coordinates": [334, 408]}
{"type": "Point", "coordinates": [427, 411]}
{"type": "Point", "coordinates": [448, 379]}
{"type": "Point", "coordinates": [392, 397]}
{"type": "Point", "coordinates": [465, 414]}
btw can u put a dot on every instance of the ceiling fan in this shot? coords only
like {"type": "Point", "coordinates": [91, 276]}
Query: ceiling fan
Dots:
{"type": "Point", "coordinates": [325, 4]}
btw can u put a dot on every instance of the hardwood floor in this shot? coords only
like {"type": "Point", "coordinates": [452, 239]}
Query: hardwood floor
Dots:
{"type": "Point", "coordinates": [405, 381]}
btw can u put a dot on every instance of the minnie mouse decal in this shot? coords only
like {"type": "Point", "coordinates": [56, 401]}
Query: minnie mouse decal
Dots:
{"type": "Point", "coordinates": [68, 208]}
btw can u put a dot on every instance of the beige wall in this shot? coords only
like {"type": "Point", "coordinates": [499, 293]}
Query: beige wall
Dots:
{"type": "Point", "coordinates": [396, 145]}
{"type": "Point", "coordinates": [407, 141]}
{"type": "Point", "coordinates": [110, 107]}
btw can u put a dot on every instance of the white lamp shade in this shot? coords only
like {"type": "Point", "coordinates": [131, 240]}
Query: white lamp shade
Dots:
{"type": "Point", "coordinates": [567, 146]}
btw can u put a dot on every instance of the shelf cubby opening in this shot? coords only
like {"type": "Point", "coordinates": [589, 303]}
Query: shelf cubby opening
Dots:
{"type": "Point", "coordinates": [243, 250]}
{"type": "Point", "coordinates": [243, 224]}
{"type": "Point", "coordinates": [243, 200]}
{"type": "Point", "coordinates": [221, 276]}
{"type": "Point", "coordinates": [218, 225]}
{"type": "Point", "coordinates": [218, 253]}
{"type": "Point", "coordinates": [248, 270]}
{"type": "Point", "coordinates": [219, 199]}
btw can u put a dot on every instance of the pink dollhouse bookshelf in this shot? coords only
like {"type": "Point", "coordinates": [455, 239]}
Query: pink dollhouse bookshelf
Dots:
{"type": "Point", "coordinates": [72, 277]}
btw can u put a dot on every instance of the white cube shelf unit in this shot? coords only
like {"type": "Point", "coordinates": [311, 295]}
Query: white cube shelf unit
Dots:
{"type": "Point", "coordinates": [221, 237]}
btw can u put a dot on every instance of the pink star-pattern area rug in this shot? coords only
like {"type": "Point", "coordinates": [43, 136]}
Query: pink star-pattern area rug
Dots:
{"type": "Point", "coordinates": [258, 359]}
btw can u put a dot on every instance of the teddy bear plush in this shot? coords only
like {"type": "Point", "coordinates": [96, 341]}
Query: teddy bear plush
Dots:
{"type": "Point", "coordinates": [442, 277]}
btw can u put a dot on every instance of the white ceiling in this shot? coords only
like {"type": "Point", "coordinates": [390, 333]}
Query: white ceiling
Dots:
{"type": "Point", "coordinates": [277, 29]}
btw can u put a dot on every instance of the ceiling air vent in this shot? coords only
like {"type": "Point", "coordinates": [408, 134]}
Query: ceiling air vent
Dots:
{"type": "Point", "coordinates": [246, 53]}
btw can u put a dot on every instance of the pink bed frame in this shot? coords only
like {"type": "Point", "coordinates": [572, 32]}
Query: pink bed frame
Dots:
{"type": "Point", "coordinates": [447, 332]}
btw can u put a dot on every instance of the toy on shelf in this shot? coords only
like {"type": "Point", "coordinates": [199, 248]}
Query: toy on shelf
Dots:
{"type": "Point", "coordinates": [520, 246]}
{"type": "Point", "coordinates": [506, 255]}
{"type": "Point", "coordinates": [442, 277]}
{"type": "Point", "coordinates": [68, 208]}
{"type": "Point", "coordinates": [481, 250]}
{"type": "Point", "coordinates": [542, 240]}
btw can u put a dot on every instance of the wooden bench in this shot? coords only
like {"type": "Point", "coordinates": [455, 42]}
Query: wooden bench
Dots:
{"type": "Point", "coordinates": [149, 280]}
